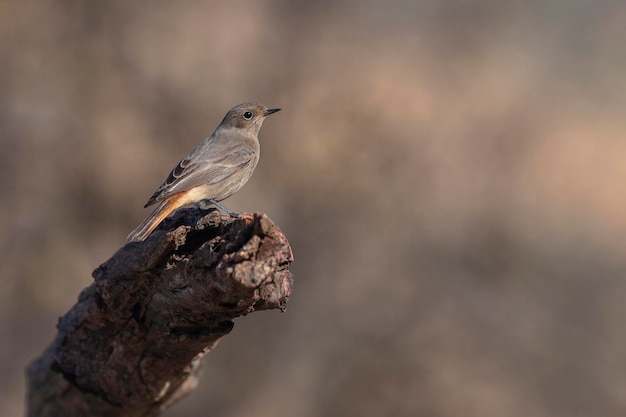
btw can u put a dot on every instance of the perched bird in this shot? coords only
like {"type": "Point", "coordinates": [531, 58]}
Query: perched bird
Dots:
{"type": "Point", "coordinates": [213, 171]}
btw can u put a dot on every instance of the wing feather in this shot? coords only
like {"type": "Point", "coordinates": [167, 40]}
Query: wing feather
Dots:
{"type": "Point", "coordinates": [209, 163]}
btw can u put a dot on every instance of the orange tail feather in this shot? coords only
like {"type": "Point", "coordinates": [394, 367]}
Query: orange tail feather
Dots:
{"type": "Point", "coordinates": [155, 218]}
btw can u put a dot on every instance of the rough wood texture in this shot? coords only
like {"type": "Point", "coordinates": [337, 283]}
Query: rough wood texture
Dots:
{"type": "Point", "coordinates": [131, 346]}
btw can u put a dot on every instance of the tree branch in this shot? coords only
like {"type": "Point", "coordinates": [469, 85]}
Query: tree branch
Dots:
{"type": "Point", "coordinates": [132, 344]}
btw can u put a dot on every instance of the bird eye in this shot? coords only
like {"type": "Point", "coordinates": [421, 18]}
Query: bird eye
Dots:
{"type": "Point", "coordinates": [247, 115]}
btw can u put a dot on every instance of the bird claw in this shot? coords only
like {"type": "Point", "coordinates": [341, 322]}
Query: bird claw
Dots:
{"type": "Point", "coordinates": [221, 207]}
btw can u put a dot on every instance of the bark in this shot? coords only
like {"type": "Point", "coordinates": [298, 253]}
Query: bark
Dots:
{"type": "Point", "coordinates": [132, 344]}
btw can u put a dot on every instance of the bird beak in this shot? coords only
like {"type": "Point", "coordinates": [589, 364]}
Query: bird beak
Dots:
{"type": "Point", "coordinates": [270, 111]}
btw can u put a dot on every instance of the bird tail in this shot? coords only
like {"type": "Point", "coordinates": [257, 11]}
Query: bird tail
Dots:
{"type": "Point", "coordinates": [153, 220]}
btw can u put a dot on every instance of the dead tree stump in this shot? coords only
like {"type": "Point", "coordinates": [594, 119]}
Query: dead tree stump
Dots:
{"type": "Point", "coordinates": [132, 344]}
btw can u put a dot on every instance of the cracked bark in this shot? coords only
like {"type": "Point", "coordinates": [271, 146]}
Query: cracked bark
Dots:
{"type": "Point", "coordinates": [132, 344]}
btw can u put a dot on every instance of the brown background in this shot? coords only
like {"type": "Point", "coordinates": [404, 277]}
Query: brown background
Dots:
{"type": "Point", "coordinates": [450, 174]}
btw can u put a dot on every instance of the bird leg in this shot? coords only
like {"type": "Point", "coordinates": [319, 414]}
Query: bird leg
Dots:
{"type": "Point", "coordinates": [221, 207]}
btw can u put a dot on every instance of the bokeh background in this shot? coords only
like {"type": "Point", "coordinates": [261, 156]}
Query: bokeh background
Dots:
{"type": "Point", "coordinates": [450, 175]}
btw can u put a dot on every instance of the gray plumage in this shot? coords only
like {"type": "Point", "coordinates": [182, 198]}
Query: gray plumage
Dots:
{"type": "Point", "coordinates": [214, 170]}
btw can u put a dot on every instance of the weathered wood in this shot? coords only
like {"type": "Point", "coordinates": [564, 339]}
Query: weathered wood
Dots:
{"type": "Point", "coordinates": [132, 344]}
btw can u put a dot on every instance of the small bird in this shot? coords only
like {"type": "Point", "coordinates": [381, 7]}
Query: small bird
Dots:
{"type": "Point", "coordinates": [213, 171]}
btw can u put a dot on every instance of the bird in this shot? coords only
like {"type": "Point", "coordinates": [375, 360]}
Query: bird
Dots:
{"type": "Point", "coordinates": [213, 171]}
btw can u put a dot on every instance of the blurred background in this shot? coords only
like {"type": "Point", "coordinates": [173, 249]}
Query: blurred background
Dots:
{"type": "Point", "coordinates": [450, 175]}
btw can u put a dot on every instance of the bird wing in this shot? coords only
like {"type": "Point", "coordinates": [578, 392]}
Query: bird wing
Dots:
{"type": "Point", "coordinates": [209, 163]}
